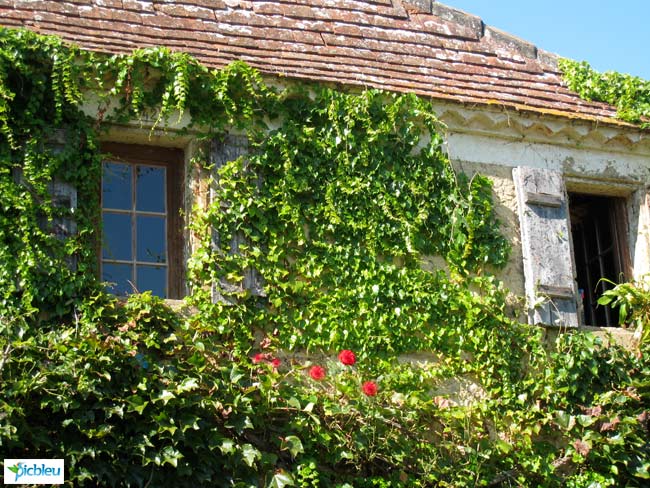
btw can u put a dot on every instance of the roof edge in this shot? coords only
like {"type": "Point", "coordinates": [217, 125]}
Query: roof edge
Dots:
{"type": "Point", "coordinates": [459, 16]}
{"type": "Point", "coordinates": [452, 14]}
{"type": "Point", "coordinates": [545, 128]}
{"type": "Point", "coordinates": [482, 30]}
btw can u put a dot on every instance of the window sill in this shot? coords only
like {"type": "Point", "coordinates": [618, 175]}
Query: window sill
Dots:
{"type": "Point", "coordinates": [610, 335]}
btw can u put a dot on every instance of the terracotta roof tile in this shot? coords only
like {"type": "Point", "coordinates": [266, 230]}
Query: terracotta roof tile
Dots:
{"type": "Point", "coordinates": [420, 46]}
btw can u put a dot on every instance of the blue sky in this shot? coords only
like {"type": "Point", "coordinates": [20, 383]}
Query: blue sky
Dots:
{"type": "Point", "coordinates": [610, 35]}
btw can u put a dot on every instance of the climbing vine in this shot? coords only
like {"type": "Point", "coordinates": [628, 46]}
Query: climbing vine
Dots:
{"type": "Point", "coordinates": [337, 205]}
{"type": "Point", "coordinates": [629, 94]}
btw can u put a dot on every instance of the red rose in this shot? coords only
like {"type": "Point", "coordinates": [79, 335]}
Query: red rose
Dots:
{"type": "Point", "coordinates": [275, 362]}
{"type": "Point", "coordinates": [369, 388]}
{"type": "Point", "coordinates": [259, 357]}
{"type": "Point", "coordinates": [317, 372]}
{"type": "Point", "coordinates": [347, 357]}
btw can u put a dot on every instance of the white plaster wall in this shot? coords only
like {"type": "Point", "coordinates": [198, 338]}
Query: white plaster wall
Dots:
{"type": "Point", "coordinates": [505, 199]}
{"type": "Point", "coordinates": [604, 160]}
{"type": "Point", "coordinates": [589, 162]}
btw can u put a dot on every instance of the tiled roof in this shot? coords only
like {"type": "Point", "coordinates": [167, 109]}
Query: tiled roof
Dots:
{"type": "Point", "coordinates": [419, 46]}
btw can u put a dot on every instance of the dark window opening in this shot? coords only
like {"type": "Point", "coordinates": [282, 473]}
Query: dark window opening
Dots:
{"type": "Point", "coordinates": [599, 231]}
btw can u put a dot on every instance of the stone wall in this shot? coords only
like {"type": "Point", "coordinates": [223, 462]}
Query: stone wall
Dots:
{"type": "Point", "coordinates": [591, 159]}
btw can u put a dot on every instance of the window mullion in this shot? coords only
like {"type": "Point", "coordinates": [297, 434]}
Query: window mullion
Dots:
{"type": "Point", "coordinates": [134, 230]}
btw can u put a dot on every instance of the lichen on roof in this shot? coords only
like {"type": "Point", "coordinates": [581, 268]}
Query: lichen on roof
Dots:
{"type": "Point", "coordinates": [418, 46]}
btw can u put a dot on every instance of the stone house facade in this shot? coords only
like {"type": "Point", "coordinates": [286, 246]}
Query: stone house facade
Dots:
{"type": "Point", "coordinates": [570, 179]}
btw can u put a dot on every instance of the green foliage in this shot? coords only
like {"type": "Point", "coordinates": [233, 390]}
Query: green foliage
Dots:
{"type": "Point", "coordinates": [40, 84]}
{"type": "Point", "coordinates": [337, 207]}
{"type": "Point", "coordinates": [629, 94]}
{"type": "Point", "coordinates": [633, 302]}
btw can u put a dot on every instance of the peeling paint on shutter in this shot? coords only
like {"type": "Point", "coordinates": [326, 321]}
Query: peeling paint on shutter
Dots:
{"type": "Point", "coordinates": [230, 148]}
{"type": "Point", "coordinates": [64, 196]}
{"type": "Point", "coordinates": [551, 289]}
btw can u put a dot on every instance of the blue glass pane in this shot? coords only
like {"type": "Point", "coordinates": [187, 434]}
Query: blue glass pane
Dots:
{"type": "Point", "coordinates": [153, 278]}
{"type": "Point", "coordinates": [116, 232]}
{"type": "Point", "coordinates": [118, 278]}
{"type": "Point", "coordinates": [150, 189]}
{"type": "Point", "coordinates": [116, 186]}
{"type": "Point", "coordinates": [151, 239]}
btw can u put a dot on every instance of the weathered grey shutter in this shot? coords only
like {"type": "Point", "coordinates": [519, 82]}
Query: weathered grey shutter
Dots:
{"type": "Point", "coordinates": [551, 288]}
{"type": "Point", "coordinates": [230, 148]}
{"type": "Point", "coordinates": [63, 196]}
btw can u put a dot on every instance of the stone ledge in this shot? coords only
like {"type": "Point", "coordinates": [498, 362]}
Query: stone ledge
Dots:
{"type": "Point", "coordinates": [626, 338]}
{"type": "Point", "coordinates": [463, 18]}
{"type": "Point", "coordinates": [521, 46]}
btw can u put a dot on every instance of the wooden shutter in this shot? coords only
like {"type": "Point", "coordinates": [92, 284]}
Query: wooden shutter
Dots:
{"type": "Point", "coordinates": [224, 150]}
{"type": "Point", "coordinates": [64, 196]}
{"type": "Point", "coordinates": [551, 289]}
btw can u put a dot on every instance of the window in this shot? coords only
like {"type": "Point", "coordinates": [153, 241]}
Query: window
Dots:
{"type": "Point", "coordinates": [570, 241]}
{"type": "Point", "coordinates": [599, 231]}
{"type": "Point", "coordinates": [141, 195]}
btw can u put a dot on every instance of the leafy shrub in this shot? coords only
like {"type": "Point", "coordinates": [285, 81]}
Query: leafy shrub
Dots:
{"type": "Point", "coordinates": [633, 302]}
{"type": "Point", "coordinates": [629, 94]}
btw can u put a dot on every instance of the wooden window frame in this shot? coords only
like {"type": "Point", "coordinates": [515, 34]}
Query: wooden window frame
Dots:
{"type": "Point", "coordinates": [172, 159]}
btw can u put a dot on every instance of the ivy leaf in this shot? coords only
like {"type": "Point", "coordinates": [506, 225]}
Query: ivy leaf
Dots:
{"type": "Point", "coordinates": [643, 471]}
{"type": "Point", "coordinates": [227, 446]}
{"type": "Point", "coordinates": [281, 479]}
{"type": "Point", "coordinates": [294, 445]}
{"type": "Point", "coordinates": [188, 384]}
{"type": "Point", "coordinates": [165, 396]}
{"type": "Point", "coordinates": [503, 446]}
{"type": "Point", "coordinates": [250, 454]}
{"type": "Point", "coordinates": [586, 420]}
{"type": "Point", "coordinates": [309, 407]}
{"type": "Point", "coordinates": [137, 404]}
{"type": "Point", "coordinates": [169, 455]}
{"type": "Point", "coordinates": [235, 374]}
{"type": "Point", "coordinates": [565, 420]}
{"type": "Point", "coordinates": [345, 455]}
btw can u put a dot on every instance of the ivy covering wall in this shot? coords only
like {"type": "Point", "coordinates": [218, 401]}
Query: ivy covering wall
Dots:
{"type": "Point", "coordinates": [338, 205]}
{"type": "Point", "coordinates": [629, 94]}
